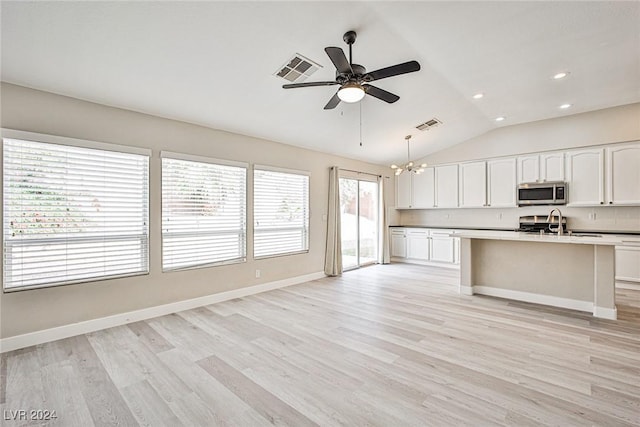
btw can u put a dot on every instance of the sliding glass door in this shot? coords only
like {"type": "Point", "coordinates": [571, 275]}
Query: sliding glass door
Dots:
{"type": "Point", "coordinates": [359, 222]}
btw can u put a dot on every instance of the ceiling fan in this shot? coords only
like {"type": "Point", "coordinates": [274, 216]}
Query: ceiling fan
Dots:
{"type": "Point", "coordinates": [354, 79]}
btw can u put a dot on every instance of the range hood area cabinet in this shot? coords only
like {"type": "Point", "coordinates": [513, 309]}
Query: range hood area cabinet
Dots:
{"type": "Point", "coordinates": [597, 176]}
{"type": "Point", "coordinates": [547, 167]}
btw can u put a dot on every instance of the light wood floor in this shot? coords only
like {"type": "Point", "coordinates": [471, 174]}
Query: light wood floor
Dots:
{"type": "Point", "coordinates": [384, 345]}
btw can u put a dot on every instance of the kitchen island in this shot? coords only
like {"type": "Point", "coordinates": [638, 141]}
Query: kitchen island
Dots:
{"type": "Point", "coordinates": [576, 272]}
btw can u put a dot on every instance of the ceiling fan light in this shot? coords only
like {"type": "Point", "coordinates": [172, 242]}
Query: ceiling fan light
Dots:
{"type": "Point", "coordinates": [422, 166]}
{"type": "Point", "coordinates": [398, 171]}
{"type": "Point", "coordinates": [394, 166]}
{"type": "Point", "coordinates": [351, 92]}
{"type": "Point", "coordinates": [410, 164]}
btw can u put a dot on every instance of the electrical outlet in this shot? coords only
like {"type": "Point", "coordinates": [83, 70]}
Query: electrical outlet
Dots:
{"type": "Point", "coordinates": [592, 216]}
{"type": "Point", "coordinates": [257, 274]}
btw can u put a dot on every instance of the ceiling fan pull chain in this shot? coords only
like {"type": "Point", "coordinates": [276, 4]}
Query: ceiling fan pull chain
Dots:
{"type": "Point", "coordinates": [361, 124]}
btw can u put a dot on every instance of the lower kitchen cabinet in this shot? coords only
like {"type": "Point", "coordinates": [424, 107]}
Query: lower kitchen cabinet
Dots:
{"type": "Point", "coordinates": [398, 243]}
{"type": "Point", "coordinates": [442, 247]}
{"type": "Point", "coordinates": [628, 264]}
{"type": "Point", "coordinates": [418, 244]}
{"type": "Point", "coordinates": [424, 246]}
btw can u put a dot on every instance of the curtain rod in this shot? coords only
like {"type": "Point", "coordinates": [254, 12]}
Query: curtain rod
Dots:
{"type": "Point", "coordinates": [363, 173]}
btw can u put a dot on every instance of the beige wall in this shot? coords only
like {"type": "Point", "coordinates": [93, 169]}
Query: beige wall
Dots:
{"type": "Point", "coordinates": [36, 111]}
{"type": "Point", "coordinates": [611, 125]}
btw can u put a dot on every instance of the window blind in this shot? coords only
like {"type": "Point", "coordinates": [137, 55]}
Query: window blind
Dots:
{"type": "Point", "coordinates": [203, 213]}
{"type": "Point", "coordinates": [73, 214]}
{"type": "Point", "coordinates": [280, 212]}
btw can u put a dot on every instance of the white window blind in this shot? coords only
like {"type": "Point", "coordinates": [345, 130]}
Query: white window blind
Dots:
{"type": "Point", "coordinates": [203, 212]}
{"type": "Point", "coordinates": [280, 212]}
{"type": "Point", "coordinates": [73, 214]}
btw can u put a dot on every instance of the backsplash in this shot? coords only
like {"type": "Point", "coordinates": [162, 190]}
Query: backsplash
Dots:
{"type": "Point", "coordinates": [610, 218]}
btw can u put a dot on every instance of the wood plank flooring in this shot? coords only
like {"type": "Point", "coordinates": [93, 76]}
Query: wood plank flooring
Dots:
{"type": "Point", "coordinates": [392, 345]}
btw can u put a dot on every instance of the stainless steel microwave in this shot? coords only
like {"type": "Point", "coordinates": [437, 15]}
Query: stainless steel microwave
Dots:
{"type": "Point", "coordinates": [542, 193]}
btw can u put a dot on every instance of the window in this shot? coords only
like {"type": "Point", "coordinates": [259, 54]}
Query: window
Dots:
{"type": "Point", "coordinates": [203, 211]}
{"type": "Point", "coordinates": [280, 212]}
{"type": "Point", "coordinates": [73, 212]}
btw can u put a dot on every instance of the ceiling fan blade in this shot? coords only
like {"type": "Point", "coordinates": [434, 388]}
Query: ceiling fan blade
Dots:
{"type": "Point", "coordinates": [339, 59]}
{"type": "Point", "coordinates": [308, 84]}
{"type": "Point", "coordinates": [394, 70]}
{"type": "Point", "coordinates": [382, 94]}
{"type": "Point", "coordinates": [333, 102]}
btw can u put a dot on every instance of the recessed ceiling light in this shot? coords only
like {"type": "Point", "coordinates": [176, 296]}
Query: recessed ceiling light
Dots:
{"type": "Point", "coordinates": [478, 95]}
{"type": "Point", "coordinates": [561, 75]}
{"type": "Point", "coordinates": [499, 119]}
{"type": "Point", "coordinates": [565, 106]}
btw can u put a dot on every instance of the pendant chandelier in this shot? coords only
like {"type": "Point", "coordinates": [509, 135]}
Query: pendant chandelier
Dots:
{"type": "Point", "coordinates": [409, 166]}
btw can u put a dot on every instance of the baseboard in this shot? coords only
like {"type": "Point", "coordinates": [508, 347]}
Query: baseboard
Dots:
{"type": "Point", "coordinates": [628, 285]}
{"type": "Point", "coordinates": [572, 304]}
{"type": "Point", "coordinates": [66, 331]}
{"type": "Point", "coordinates": [605, 313]}
{"type": "Point", "coordinates": [450, 266]}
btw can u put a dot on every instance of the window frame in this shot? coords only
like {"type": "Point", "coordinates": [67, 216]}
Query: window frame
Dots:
{"type": "Point", "coordinates": [267, 168]}
{"type": "Point", "coordinates": [214, 161]}
{"type": "Point", "coordinates": [13, 134]}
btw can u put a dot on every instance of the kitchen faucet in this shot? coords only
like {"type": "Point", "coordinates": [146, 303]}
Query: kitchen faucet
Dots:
{"type": "Point", "coordinates": [549, 219]}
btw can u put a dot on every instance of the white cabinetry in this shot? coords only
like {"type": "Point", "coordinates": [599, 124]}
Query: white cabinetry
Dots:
{"type": "Point", "coordinates": [446, 180]}
{"type": "Point", "coordinates": [585, 174]}
{"type": "Point", "coordinates": [442, 246]}
{"type": "Point", "coordinates": [628, 263]}
{"type": "Point", "coordinates": [398, 243]}
{"type": "Point", "coordinates": [501, 182]}
{"type": "Point", "coordinates": [552, 167]}
{"type": "Point", "coordinates": [423, 189]}
{"type": "Point", "coordinates": [623, 175]}
{"type": "Point", "coordinates": [425, 246]}
{"type": "Point", "coordinates": [541, 168]}
{"type": "Point", "coordinates": [528, 169]}
{"type": "Point", "coordinates": [418, 244]}
{"type": "Point", "coordinates": [473, 184]}
{"type": "Point", "coordinates": [415, 191]}
{"type": "Point", "coordinates": [403, 190]}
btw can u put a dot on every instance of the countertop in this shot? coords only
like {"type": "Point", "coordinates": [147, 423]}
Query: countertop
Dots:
{"type": "Point", "coordinates": [592, 239]}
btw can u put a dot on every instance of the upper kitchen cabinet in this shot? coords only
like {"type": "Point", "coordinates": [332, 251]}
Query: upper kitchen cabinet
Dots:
{"type": "Point", "coordinates": [446, 180]}
{"type": "Point", "coordinates": [552, 167]}
{"type": "Point", "coordinates": [585, 175]}
{"type": "Point", "coordinates": [529, 168]}
{"type": "Point", "coordinates": [541, 168]}
{"type": "Point", "coordinates": [403, 190]}
{"type": "Point", "coordinates": [415, 191]}
{"type": "Point", "coordinates": [623, 174]}
{"type": "Point", "coordinates": [501, 183]}
{"type": "Point", "coordinates": [473, 184]}
{"type": "Point", "coordinates": [423, 189]}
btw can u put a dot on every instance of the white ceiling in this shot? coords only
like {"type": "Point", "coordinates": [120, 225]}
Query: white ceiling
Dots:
{"type": "Point", "coordinates": [212, 63]}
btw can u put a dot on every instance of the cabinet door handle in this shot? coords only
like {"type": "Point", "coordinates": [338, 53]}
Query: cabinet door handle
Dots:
{"type": "Point", "coordinates": [602, 203]}
{"type": "Point", "coordinates": [610, 203]}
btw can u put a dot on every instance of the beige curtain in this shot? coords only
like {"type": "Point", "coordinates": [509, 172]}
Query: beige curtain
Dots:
{"type": "Point", "coordinates": [383, 253]}
{"type": "Point", "coordinates": [333, 252]}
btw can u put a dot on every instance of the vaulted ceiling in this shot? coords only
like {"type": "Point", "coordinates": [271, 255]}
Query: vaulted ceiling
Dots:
{"type": "Point", "coordinates": [213, 64]}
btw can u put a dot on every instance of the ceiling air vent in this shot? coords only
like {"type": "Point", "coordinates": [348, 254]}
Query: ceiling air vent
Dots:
{"type": "Point", "coordinates": [429, 124]}
{"type": "Point", "coordinates": [297, 69]}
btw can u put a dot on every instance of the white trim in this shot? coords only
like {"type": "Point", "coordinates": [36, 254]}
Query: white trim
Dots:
{"type": "Point", "coordinates": [280, 170]}
{"type": "Point", "coordinates": [605, 313]}
{"type": "Point", "coordinates": [627, 285]}
{"type": "Point", "coordinates": [449, 265]}
{"type": "Point", "coordinates": [572, 304]}
{"type": "Point", "coordinates": [62, 140]}
{"type": "Point", "coordinates": [466, 290]}
{"type": "Point", "coordinates": [201, 159]}
{"type": "Point", "coordinates": [66, 331]}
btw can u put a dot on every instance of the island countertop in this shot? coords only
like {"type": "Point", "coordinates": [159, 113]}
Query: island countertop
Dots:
{"type": "Point", "coordinates": [588, 239]}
